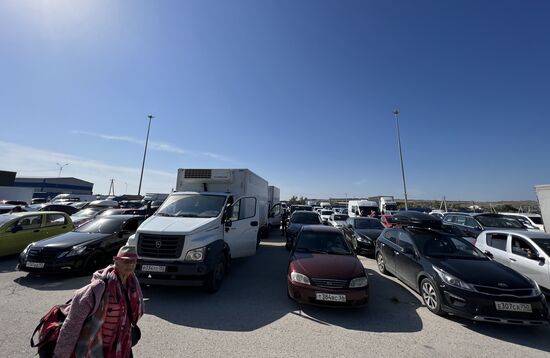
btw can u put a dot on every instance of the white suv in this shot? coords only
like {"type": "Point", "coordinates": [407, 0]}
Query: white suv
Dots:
{"type": "Point", "coordinates": [527, 252]}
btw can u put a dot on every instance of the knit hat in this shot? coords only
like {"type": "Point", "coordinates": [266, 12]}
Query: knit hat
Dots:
{"type": "Point", "coordinates": [127, 252]}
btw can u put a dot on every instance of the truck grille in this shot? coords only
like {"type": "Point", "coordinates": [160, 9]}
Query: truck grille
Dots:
{"type": "Point", "coordinates": [522, 292]}
{"type": "Point", "coordinates": [42, 254]}
{"type": "Point", "coordinates": [198, 174]}
{"type": "Point", "coordinates": [160, 246]}
{"type": "Point", "coordinates": [329, 283]}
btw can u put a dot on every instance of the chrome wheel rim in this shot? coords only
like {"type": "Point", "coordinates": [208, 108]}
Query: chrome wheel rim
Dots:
{"type": "Point", "coordinates": [429, 295]}
{"type": "Point", "coordinates": [380, 261]}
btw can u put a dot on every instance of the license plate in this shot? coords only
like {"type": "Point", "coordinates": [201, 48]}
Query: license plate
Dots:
{"type": "Point", "coordinates": [330, 297]}
{"type": "Point", "coordinates": [35, 264]}
{"type": "Point", "coordinates": [153, 268]}
{"type": "Point", "coordinates": [514, 307]}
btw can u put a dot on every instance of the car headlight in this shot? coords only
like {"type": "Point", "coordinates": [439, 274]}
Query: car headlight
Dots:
{"type": "Point", "coordinates": [195, 255]}
{"type": "Point", "coordinates": [24, 252]}
{"type": "Point", "coordinates": [452, 281]}
{"type": "Point", "coordinates": [364, 238]}
{"type": "Point", "coordinates": [359, 282]}
{"type": "Point", "coordinates": [536, 288]}
{"type": "Point", "coordinates": [298, 277]}
{"type": "Point", "coordinates": [75, 251]}
{"type": "Point", "coordinates": [131, 240]}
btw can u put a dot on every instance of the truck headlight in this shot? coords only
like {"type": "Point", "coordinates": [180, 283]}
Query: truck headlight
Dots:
{"type": "Point", "coordinates": [359, 282]}
{"type": "Point", "coordinates": [196, 255]}
{"type": "Point", "coordinates": [298, 277]}
{"type": "Point", "coordinates": [131, 240]}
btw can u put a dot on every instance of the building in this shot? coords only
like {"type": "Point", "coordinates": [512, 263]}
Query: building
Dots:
{"type": "Point", "coordinates": [50, 187]}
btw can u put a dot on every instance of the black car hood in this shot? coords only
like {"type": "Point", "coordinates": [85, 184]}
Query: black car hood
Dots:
{"type": "Point", "coordinates": [70, 239]}
{"type": "Point", "coordinates": [372, 233]}
{"type": "Point", "coordinates": [482, 272]}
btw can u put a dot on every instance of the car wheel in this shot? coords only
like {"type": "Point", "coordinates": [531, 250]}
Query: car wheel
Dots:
{"type": "Point", "coordinates": [94, 261]}
{"type": "Point", "coordinates": [431, 296]}
{"type": "Point", "coordinates": [214, 279]}
{"type": "Point", "coordinates": [381, 263]}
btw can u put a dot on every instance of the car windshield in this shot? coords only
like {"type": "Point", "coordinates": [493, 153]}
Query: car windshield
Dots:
{"type": "Point", "coordinates": [544, 244]}
{"type": "Point", "coordinates": [4, 218]}
{"type": "Point", "coordinates": [499, 221]}
{"type": "Point", "coordinates": [322, 242]}
{"type": "Point", "coordinates": [326, 212]}
{"type": "Point", "coordinates": [537, 220]}
{"type": "Point", "coordinates": [340, 217]}
{"type": "Point", "coordinates": [447, 247]}
{"type": "Point", "coordinates": [365, 224]}
{"type": "Point", "coordinates": [524, 221]}
{"type": "Point", "coordinates": [86, 212]}
{"type": "Point", "coordinates": [305, 218]}
{"type": "Point", "coordinates": [192, 205]}
{"type": "Point", "coordinates": [101, 226]}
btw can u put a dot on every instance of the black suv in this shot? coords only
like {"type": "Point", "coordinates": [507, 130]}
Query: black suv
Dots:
{"type": "Point", "coordinates": [453, 276]}
{"type": "Point", "coordinates": [471, 225]}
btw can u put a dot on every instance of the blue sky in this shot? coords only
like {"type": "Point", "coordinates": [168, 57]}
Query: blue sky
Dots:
{"type": "Point", "coordinates": [300, 92]}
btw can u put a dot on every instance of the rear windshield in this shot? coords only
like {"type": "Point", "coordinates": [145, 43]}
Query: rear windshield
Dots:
{"type": "Point", "coordinates": [326, 212]}
{"type": "Point", "coordinates": [340, 217]}
{"type": "Point", "coordinates": [368, 224]}
{"type": "Point", "coordinates": [322, 242]}
{"type": "Point", "coordinates": [305, 218]}
{"type": "Point", "coordinates": [499, 221]}
{"type": "Point", "coordinates": [544, 244]}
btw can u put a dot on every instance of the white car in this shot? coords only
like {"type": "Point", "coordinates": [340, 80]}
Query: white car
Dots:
{"type": "Point", "coordinates": [529, 220]}
{"type": "Point", "coordinates": [325, 215]}
{"type": "Point", "coordinates": [527, 252]}
{"type": "Point", "coordinates": [338, 220]}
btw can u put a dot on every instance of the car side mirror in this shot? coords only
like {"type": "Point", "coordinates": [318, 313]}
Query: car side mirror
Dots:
{"type": "Point", "coordinates": [489, 255]}
{"type": "Point", "coordinates": [16, 228]}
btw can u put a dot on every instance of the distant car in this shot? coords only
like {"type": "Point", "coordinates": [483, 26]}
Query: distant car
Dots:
{"type": "Point", "coordinates": [294, 208]}
{"type": "Point", "coordinates": [85, 249]}
{"type": "Point", "coordinates": [297, 220]}
{"type": "Point", "coordinates": [471, 225]}
{"type": "Point", "coordinates": [109, 212]}
{"type": "Point", "coordinates": [323, 270]}
{"type": "Point", "coordinates": [38, 200]}
{"type": "Point", "coordinates": [70, 210]}
{"type": "Point", "coordinates": [528, 219]}
{"type": "Point", "coordinates": [325, 215]}
{"type": "Point", "coordinates": [19, 229]}
{"type": "Point", "coordinates": [453, 276]}
{"type": "Point", "coordinates": [103, 204]}
{"type": "Point", "coordinates": [14, 202]}
{"type": "Point", "coordinates": [338, 220]}
{"type": "Point", "coordinates": [4, 209]}
{"type": "Point", "coordinates": [85, 215]}
{"type": "Point", "coordinates": [362, 233]}
{"type": "Point", "coordinates": [527, 252]}
{"type": "Point", "coordinates": [80, 204]}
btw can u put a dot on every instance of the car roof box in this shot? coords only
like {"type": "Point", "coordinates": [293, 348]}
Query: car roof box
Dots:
{"type": "Point", "coordinates": [416, 219]}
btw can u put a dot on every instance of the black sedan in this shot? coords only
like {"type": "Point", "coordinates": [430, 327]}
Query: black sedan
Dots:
{"type": "Point", "coordinates": [362, 233]}
{"type": "Point", "coordinates": [452, 276]}
{"type": "Point", "coordinates": [297, 220]}
{"type": "Point", "coordinates": [85, 249]}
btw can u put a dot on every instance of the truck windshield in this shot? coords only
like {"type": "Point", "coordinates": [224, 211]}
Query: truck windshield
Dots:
{"type": "Point", "coordinates": [192, 206]}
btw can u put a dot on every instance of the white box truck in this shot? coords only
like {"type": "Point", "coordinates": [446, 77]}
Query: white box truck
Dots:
{"type": "Point", "coordinates": [385, 203]}
{"type": "Point", "coordinates": [543, 194]}
{"type": "Point", "coordinates": [213, 216]}
{"type": "Point", "coordinates": [357, 208]}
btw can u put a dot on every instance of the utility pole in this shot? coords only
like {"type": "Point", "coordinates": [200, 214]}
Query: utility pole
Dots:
{"type": "Point", "coordinates": [112, 187]}
{"type": "Point", "coordinates": [396, 114]}
{"type": "Point", "coordinates": [61, 168]}
{"type": "Point", "coordinates": [144, 153]}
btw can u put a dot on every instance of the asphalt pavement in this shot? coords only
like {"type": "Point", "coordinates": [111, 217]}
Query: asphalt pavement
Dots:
{"type": "Point", "coordinates": [251, 316]}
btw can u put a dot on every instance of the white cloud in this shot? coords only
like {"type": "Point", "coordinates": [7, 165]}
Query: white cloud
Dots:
{"type": "Point", "coordinates": [30, 161]}
{"type": "Point", "coordinates": [155, 145]}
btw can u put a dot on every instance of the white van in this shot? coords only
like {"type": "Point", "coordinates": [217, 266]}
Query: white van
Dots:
{"type": "Point", "coordinates": [358, 208]}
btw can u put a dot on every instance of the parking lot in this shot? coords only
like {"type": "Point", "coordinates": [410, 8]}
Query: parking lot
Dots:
{"type": "Point", "coordinates": [252, 316]}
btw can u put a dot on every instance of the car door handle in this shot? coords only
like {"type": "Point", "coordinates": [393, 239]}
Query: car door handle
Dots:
{"type": "Point", "coordinates": [512, 259]}
{"type": "Point", "coordinates": [254, 223]}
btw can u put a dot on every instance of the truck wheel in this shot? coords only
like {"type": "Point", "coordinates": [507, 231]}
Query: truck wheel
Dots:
{"type": "Point", "coordinates": [214, 279]}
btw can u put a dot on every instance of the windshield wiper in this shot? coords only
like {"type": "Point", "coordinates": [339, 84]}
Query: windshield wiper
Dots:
{"type": "Point", "coordinates": [187, 216]}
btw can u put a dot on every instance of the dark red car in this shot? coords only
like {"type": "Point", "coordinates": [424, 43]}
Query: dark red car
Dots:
{"type": "Point", "coordinates": [323, 270]}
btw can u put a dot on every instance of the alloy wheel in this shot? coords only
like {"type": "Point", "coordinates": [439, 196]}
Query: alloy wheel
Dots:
{"type": "Point", "coordinates": [429, 295]}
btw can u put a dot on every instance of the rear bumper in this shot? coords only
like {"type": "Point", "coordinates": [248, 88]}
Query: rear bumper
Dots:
{"type": "Point", "coordinates": [358, 297]}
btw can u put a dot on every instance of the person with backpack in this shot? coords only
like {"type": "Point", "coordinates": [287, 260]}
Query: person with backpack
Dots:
{"type": "Point", "coordinates": [102, 318]}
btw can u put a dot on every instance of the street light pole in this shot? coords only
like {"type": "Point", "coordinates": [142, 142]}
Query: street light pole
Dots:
{"type": "Point", "coordinates": [144, 153]}
{"type": "Point", "coordinates": [61, 168]}
{"type": "Point", "coordinates": [396, 114]}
